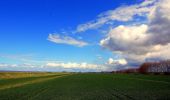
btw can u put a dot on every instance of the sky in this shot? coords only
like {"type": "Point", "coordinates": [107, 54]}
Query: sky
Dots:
{"type": "Point", "coordinates": [82, 35]}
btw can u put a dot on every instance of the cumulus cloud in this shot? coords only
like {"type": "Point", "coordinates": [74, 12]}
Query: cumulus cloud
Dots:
{"type": "Point", "coordinates": [126, 39]}
{"type": "Point", "coordinates": [56, 38]}
{"type": "Point", "coordinates": [123, 14]}
{"type": "Point", "coordinates": [140, 42]}
{"type": "Point", "coordinates": [159, 23]}
{"type": "Point", "coordinates": [116, 64]}
{"type": "Point", "coordinates": [111, 61]}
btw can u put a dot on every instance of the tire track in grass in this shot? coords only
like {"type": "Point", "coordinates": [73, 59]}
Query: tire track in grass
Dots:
{"type": "Point", "coordinates": [107, 95]}
{"type": "Point", "coordinates": [42, 79]}
{"type": "Point", "coordinates": [125, 95]}
{"type": "Point", "coordinates": [117, 96]}
{"type": "Point", "coordinates": [29, 96]}
{"type": "Point", "coordinates": [120, 95]}
{"type": "Point", "coordinates": [38, 93]}
{"type": "Point", "coordinates": [149, 80]}
{"type": "Point", "coordinates": [114, 94]}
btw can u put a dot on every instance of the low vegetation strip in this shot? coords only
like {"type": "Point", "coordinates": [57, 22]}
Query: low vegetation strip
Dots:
{"type": "Point", "coordinates": [14, 75]}
{"type": "Point", "coordinates": [31, 80]}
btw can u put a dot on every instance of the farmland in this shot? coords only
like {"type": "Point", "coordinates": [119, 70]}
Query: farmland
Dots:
{"type": "Point", "coordinates": [83, 86]}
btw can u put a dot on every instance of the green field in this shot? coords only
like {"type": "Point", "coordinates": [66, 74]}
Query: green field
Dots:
{"type": "Point", "coordinates": [87, 86]}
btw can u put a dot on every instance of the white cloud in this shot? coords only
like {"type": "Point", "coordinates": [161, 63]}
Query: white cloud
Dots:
{"type": "Point", "coordinates": [161, 51]}
{"type": "Point", "coordinates": [123, 14]}
{"type": "Point", "coordinates": [66, 40]}
{"type": "Point", "coordinates": [2, 65]}
{"type": "Point", "coordinates": [112, 61]}
{"type": "Point", "coordinates": [54, 66]}
{"type": "Point", "coordinates": [20, 67]}
{"type": "Point", "coordinates": [140, 42]}
{"type": "Point", "coordinates": [70, 66]}
{"type": "Point", "coordinates": [73, 65]}
{"type": "Point", "coordinates": [108, 66]}
{"type": "Point", "coordinates": [159, 23]}
{"type": "Point", "coordinates": [125, 38]}
{"type": "Point", "coordinates": [51, 66]}
{"type": "Point", "coordinates": [116, 64]}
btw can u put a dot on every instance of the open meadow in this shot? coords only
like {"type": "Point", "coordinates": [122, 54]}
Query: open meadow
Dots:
{"type": "Point", "coordinates": [83, 86]}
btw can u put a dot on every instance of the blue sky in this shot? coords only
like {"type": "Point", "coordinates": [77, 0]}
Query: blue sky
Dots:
{"type": "Point", "coordinates": [44, 32]}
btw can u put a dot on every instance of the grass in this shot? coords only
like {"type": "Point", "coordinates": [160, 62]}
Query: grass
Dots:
{"type": "Point", "coordinates": [88, 86]}
{"type": "Point", "coordinates": [13, 75]}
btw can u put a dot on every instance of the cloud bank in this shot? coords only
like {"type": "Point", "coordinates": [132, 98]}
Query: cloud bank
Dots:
{"type": "Point", "coordinates": [54, 66]}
